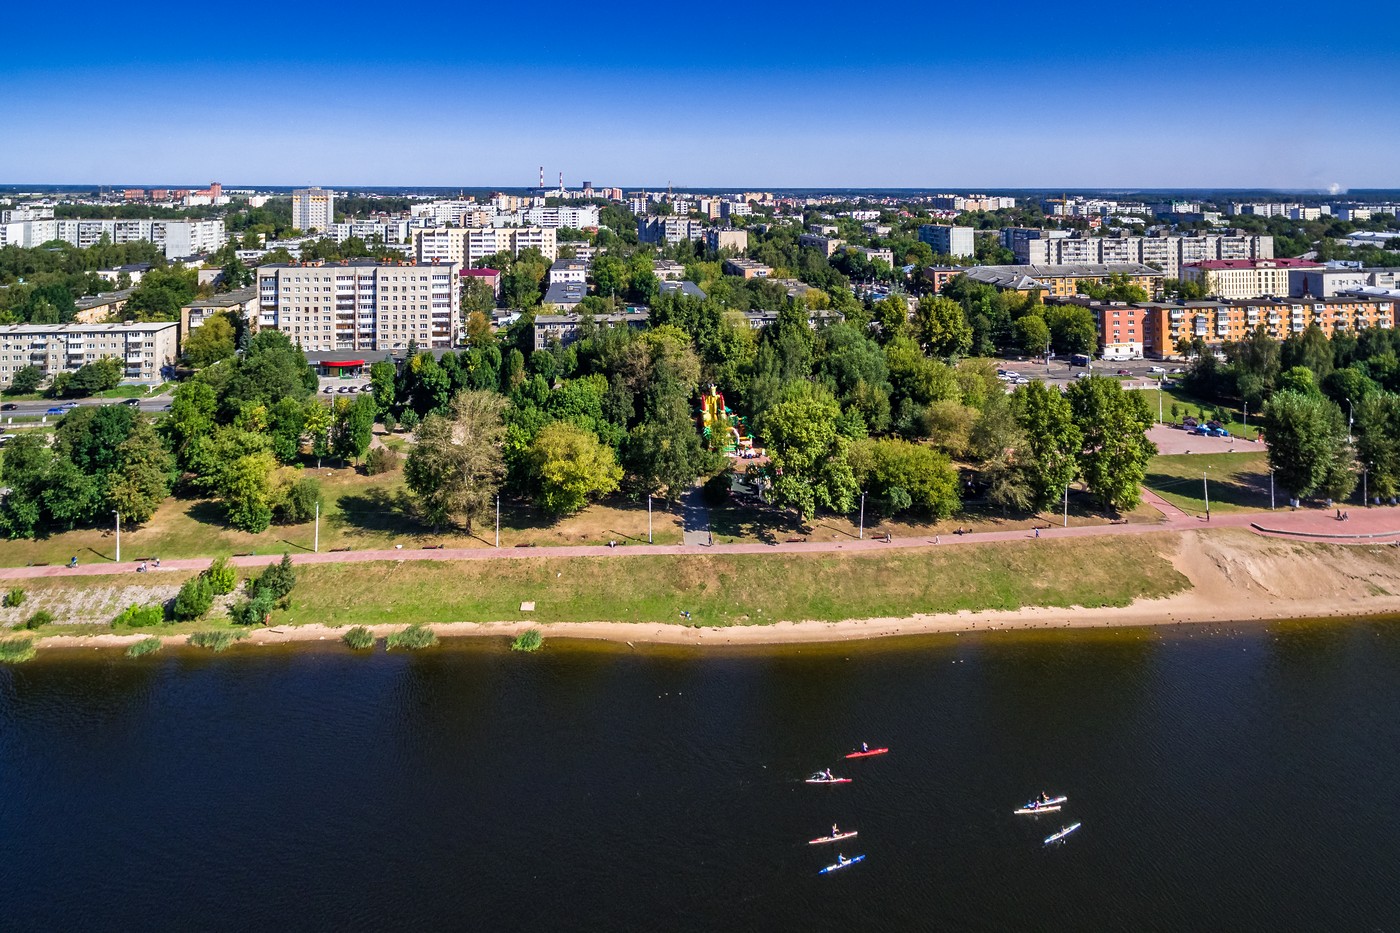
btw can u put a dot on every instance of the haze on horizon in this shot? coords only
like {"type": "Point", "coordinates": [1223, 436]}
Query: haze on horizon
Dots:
{"type": "Point", "coordinates": [790, 95]}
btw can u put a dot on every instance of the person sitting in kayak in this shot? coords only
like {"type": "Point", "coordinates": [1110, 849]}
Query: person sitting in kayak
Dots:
{"type": "Point", "coordinates": [834, 830]}
{"type": "Point", "coordinates": [1044, 797]}
{"type": "Point", "coordinates": [864, 747]}
{"type": "Point", "coordinates": [828, 775]}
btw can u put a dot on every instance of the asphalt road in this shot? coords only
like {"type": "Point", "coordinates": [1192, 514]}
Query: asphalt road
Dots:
{"type": "Point", "coordinates": [155, 403]}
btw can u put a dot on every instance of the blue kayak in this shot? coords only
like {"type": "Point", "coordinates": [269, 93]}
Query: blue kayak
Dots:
{"type": "Point", "coordinates": [843, 863]}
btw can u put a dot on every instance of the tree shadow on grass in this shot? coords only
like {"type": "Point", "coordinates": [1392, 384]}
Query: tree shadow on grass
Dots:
{"type": "Point", "coordinates": [1247, 491]}
{"type": "Point", "coordinates": [745, 518]}
{"type": "Point", "coordinates": [207, 512]}
{"type": "Point", "coordinates": [376, 513]}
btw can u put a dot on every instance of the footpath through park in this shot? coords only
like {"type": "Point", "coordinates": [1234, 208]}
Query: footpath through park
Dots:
{"type": "Point", "coordinates": [1376, 525]}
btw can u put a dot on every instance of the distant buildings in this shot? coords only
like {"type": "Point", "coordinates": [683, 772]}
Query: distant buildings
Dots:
{"type": "Point", "coordinates": [388, 232]}
{"type": "Point", "coordinates": [555, 217]}
{"type": "Point", "coordinates": [360, 304]}
{"type": "Point", "coordinates": [668, 270]}
{"type": "Point", "coordinates": [720, 238]}
{"type": "Point", "coordinates": [242, 303]}
{"type": "Point", "coordinates": [1246, 278]}
{"type": "Point", "coordinates": [826, 245]}
{"type": "Point", "coordinates": [971, 202]}
{"type": "Point", "coordinates": [176, 238]}
{"type": "Point", "coordinates": [565, 296]}
{"type": "Point", "coordinates": [1063, 280]}
{"type": "Point", "coordinates": [883, 255]}
{"type": "Point", "coordinates": [568, 270]}
{"type": "Point", "coordinates": [684, 288]}
{"type": "Point", "coordinates": [313, 209]}
{"type": "Point", "coordinates": [1167, 253]}
{"type": "Point", "coordinates": [746, 269]}
{"type": "Point", "coordinates": [470, 245]}
{"type": "Point", "coordinates": [949, 240]}
{"type": "Point", "coordinates": [566, 328]}
{"type": "Point", "coordinates": [491, 277]}
{"type": "Point", "coordinates": [143, 349]}
{"type": "Point", "coordinates": [668, 230]}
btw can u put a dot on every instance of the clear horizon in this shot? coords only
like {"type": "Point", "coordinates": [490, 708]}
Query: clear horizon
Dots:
{"type": "Point", "coordinates": [788, 96]}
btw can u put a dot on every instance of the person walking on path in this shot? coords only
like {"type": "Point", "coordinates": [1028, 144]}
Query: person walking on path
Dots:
{"type": "Point", "coordinates": [1037, 531]}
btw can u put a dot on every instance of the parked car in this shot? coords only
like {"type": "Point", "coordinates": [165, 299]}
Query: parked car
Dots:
{"type": "Point", "coordinates": [329, 390]}
{"type": "Point", "coordinates": [6, 438]}
{"type": "Point", "coordinates": [1178, 370]}
{"type": "Point", "coordinates": [1125, 372]}
{"type": "Point", "coordinates": [69, 405]}
{"type": "Point", "coordinates": [1157, 369]}
{"type": "Point", "coordinates": [1202, 430]}
{"type": "Point", "coordinates": [1082, 375]}
{"type": "Point", "coordinates": [366, 388]}
{"type": "Point", "coordinates": [166, 407]}
{"type": "Point", "coordinates": [1219, 432]}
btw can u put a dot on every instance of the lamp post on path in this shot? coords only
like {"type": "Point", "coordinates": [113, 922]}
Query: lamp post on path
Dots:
{"type": "Point", "coordinates": [862, 515]}
{"type": "Point", "coordinates": [119, 535]}
{"type": "Point", "coordinates": [1205, 484]}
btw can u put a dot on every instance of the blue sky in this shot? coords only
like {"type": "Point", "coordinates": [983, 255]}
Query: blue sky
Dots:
{"type": "Point", "coordinates": [1009, 94]}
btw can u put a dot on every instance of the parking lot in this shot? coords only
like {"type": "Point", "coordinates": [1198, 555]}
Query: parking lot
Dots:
{"type": "Point", "coordinates": [330, 386]}
{"type": "Point", "coordinates": [1136, 373]}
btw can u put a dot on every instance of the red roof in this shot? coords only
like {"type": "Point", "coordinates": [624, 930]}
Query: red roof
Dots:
{"type": "Point", "coordinates": [1256, 263]}
{"type": "Point", "coordinates": [481, 273]}
{"type": "Point", "coordinates": [342, 363]}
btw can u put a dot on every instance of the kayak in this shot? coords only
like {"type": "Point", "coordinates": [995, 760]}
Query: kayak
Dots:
{"type": "Point", "coordinates": [1040, 806]}
{"type": "Point", "coordinates": [837, 838]}
{"type": "Point", "coordinates": [1056, 837]}
{"type": "Point", "coordinates": [840, 865]}
{"type": "Point", "coordinates": [868, 753]}
{"type": "Point", "coordinates": [819, 779]}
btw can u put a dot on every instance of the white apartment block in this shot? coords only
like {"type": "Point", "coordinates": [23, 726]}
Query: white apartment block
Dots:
{"type": "Point", "coordinates": [568, 270]}
{"type": "Point", "coordinates": [177, 238]}
{"type": "Point", "coordinates": [144, 349]}
{"type": "Point", "coordinates": [457, 213]}
{"type": "Point", "coordinates": [555, 217]}
{"type": "Point", "coordinates": [469, 245]}
{"type": "Point", "coordinates": [884, 255]}
{"type": "Point", "coordinates": [668, 270]}
{"type": "Point", "coordinates": [947, 240]}
{"type": "Point", "coordinates": [1167, 253]}
{"type": "Point", "coordinates": [1233, 279]}
{"type": "Point", "coordinates": [313, 209]}
{"type": "Point", "coordinates": [389, 232]}
{"type": "Point", "coordinates": [360, 304]}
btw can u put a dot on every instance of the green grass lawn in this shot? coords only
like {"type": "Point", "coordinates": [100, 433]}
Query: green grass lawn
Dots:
{"type": "Point", "coordinates": [1188, 405]}
{"type": "Point", "coordinates": [1237, 482]}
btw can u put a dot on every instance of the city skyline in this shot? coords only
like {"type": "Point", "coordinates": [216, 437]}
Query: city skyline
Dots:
{"type": "Point", "coordinates": [787, 97]}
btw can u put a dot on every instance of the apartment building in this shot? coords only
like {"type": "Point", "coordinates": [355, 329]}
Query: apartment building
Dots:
{"type": "Point", "coordinates": [578, 218]}
{"type": "Point", "coordinates": [718, 238]}
{"type": "Point", "coordinates": [883, 255]}
{"type": "Point", "coordinates": [1063, 280]}
{"type": "Point", "coordinates": [492, 278]}
{"type": "Point", "coordinates": [568, 270]}
{"type": "Point", "coordinates": [241, 303]}
{"type": "Point", "coordinates": [668, 270]}
{"type": "Point", "coordinates": [566, 328]}
{"type": "Point", "coordinates": [389, 232]}
{"type": "Point", "coordinates": [827, 245]}
{"type": "Point", "coordinates": [746, 269]}
{"type": "Point", "coordinates": [565, 296]}
{"type": "Point", "coordinates": [360, 304]}
{"type": "Point", "coordinates": [1247, 278]}
{"type": "Point", "coordinates": [313, 209]}
{"type": "Point", "coordinates": [1168, 253]}
{"type": "Point", "coordinates": [947, 240]}
{"type": "Point", "coordinates": [470, 245]}
{"type": "Point", "coordinates": [144, 349]}
{"type": "Point", "coordinates": [176, 238]}
{"type": "Point", "coordinates": [668, 229]}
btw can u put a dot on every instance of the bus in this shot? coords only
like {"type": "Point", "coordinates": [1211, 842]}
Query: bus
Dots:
{"type": "Point", "coordinates": [1079, 359]}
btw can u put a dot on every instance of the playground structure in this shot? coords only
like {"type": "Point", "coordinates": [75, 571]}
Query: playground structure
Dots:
{"type": "Point", "coordinates": [722, 428]}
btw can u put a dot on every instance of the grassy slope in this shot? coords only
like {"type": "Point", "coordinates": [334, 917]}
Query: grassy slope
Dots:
{"type": "Point", "coordinates": [1238, 482]}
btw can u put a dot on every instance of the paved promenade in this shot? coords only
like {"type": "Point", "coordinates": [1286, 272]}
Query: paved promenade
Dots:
{"type": "Point", "coordinates": [1377, 525]}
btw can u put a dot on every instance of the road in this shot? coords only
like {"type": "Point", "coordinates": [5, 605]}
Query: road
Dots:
{"type": "Point", "coordinates": [156, 403]}
{"type": "Point", "coordinates": [1378, 525]}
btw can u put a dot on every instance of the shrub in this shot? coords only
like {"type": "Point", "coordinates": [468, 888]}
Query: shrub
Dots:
{"type": "Point", "coordinates": [358, 638]}
{"type": "Point", "coordinates": [415, 636]}
{"type": "Point", "coordinates": [219, 641]}
{"type": "Point", "coordinates": [16, 650]}
{"type": "Point", "coordinates": [528, 640]}
{"type": "Point", "coordinates": [41, 617]}
{"type": "Point", "coordinates": [13, 598]}
{"type": "Point", "coordinates": [194, 599]}
{"type": "Point", "coordinates": [277, 581]}
{"type": "Point", "coordinates": [390, 423]}
{"type": "Point", "coordinates": [296, 502]}
{"type": "Point", "coordinates": [253, 611]}
{"type": "Point", "coordinates": [381, 460]}
{"type": "Point", "coordinates": [140, 616]}
{"type": "Point", "coordinates": [410, 420]}
{"type": "Point", "coordinates": [222, 577]}
{"type": "Point", "coordinates": [144, 646]}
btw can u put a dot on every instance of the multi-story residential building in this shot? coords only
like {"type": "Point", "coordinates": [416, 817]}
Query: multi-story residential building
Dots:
{"type": "Point", "coordinates": [1247, 278]}
{"type": "Point", "coordinates": [578, 218]}
{"type": "Point", "coordinates": [668, 230]}
{"type": "Point", "coordinates": [469, 245]}
{"type": "Point", "coordinates": [668, 270]}
{"type": "Point", "coordinates": [826, 244]}
{"type": "Point", "coordinates": [144, 349]}
{"type": "Point", "coordinates": [241, 303]}
{"type": "Point", "coordinates": [883, 255]}
{"type": "Point", "coordinates": [1155, 329]}
{"type": "Point", "coordinates": [176, 238]}
{"type": "Point", "coordinates": [102, 307]}
{"type": "Point", "coordinates": [568, 270]}
{"type": "Point", "coordinates": [1325, 283]}
{"type": "Point", "coordinates": [718, 238]}
{"type": "Point", "coordinates": [565, 328]}
{"type": "Point", "coordinates": [938, 276]}
{"type": "Point", "coordinates": [735, 209]}
{"type": "Point", "coordinates": [746, 269]}
{"type": "Point", "coordinates": [948, 240]}
{"type": "Point", "coordinates": [388, 232]}
{"type": "Point", "coordinates": [1064, 280]}
{"type": "Point", "coordinates": [313, 209]}
{"type": "Point", "coordinates": [360, 304]}
{"type": "Point", "coordinates": [875, 229]}
{"type": "Point", "coordinates": [1168, 253]}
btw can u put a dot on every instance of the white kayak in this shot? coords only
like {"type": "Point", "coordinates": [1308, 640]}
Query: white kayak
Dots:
{"type": "Point", "coordinates": [1056, 837]}
{"type": "Point", "coordinates": [836, 838]}
{"type": "Point", "coordinates": [1042, 806]}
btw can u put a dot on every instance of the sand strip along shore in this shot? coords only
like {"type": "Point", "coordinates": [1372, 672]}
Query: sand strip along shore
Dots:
{"type": "Point", "coordinates": [1235, 577]}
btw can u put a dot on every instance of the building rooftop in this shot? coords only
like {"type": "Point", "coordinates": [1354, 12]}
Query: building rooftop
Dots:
{"type": "Point", "coordinates": [1219, 264]}
{"type": "Point", "coordinates": [685, 288]}
{"type": "Point", "coordinates": [1029, 276]}
{"type": "Point", "coordinates": [566, 293]}
{"type": "Point", "coordinates": [481, 273]}
{"type": "Point", "coordinates": [103, 298]}
{"type": "Point", "coordinates": [227, 300]}
{"type": "Point", "coordinates": [141, 326]}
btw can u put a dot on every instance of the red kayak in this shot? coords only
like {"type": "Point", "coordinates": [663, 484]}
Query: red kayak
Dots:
{"type": "Point", "coordinates": [868, 753]}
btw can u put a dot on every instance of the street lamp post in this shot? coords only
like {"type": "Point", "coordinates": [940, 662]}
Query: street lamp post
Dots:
{"type": "Point", "coordinates": [1066, 505]}
{"type": "Point", "coordinates": [1350, 415]}
{"type": "Point", "coordinates": [316, 534]}
{"type": "Point", "coordinates": [1161, 381]}
{"type": "Point", "coordinates": [1246, 415]}
{"type": "Point", "coordinates": [1271, 489]}
{"type": "Point", "coordinates": [862, 515]}
{"type": "Point", "coordinates": [119, 535]}
{"type": "Point", "coordinates": [1365, 497]}
{"type": "Point", "coordinates": [498, 519]}
{"type": "Point", "coordinates": [1205, 484]}
{"type": "Point", "coordinates": [649, 540]}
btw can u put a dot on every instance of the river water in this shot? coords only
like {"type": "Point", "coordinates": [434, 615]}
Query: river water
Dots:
{"type": "Point", "coordinates": [1227, 779]}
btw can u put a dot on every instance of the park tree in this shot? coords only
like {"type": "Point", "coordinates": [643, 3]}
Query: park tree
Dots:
{"type": "Point", "coordinates": [1378, 441]}
{"type": "Point", "coordinates": [899, 475]}
{"type": "Point", "coordinates": [382, 378]}
{"type": "Point", "coordinates": [141, 478]}
{"type": "Point", "coordinates": [807, 454]}
{"type": "Point", "coordinates": [455, 467]}
{"type": "Point", "coordinates": [245, 487]}
{"type": "Point", "coordinates": [211, 342]}
{"type": "Point", "coordinates": [478, 296]}
{"type": "Point", "coordinates": [272, 368]}
{"type": "Point", "coordinates": [89, 379]}
{"type": "Point", "coordinates": [23, 470]}
{"type": "Point", "coordinates": [478, 329]}
{"type": "Point", "coordinates": [1115, 452]}
{"type": "Point", "coordinates": [191, 418]}
{"type": "Point", "coordinates": [1308, 447]}
{"type": "Point", "coordinates": [940, 325]}
{"type": "Point", "coordinates": [161, 293]}
{"type": "Point", "coordinates": [1052, 441]}
{"type": "Point", "coordinates": [352, 427]}
{"type": "Point", "coordinates": [25, 381]}
{"type": "Point", "coordinates": [286, 423]}
{"type": "Point", "coordinates": [567, 466]}
{"type": "Point", "coordinates": [1031, 334]}
{"type": "Point", "coordinates": [1072, 329]}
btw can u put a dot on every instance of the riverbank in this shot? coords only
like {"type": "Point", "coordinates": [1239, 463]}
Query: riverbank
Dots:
{"type": "Point", "coordinates": [1221, 575]}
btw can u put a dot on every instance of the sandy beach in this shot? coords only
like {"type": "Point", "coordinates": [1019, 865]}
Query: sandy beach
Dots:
{"type": "Point", "coordinates": [1235, 577]}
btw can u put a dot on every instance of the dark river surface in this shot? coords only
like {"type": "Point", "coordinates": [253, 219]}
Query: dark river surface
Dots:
{"type": "Point", "coordinates": [1239, 778]}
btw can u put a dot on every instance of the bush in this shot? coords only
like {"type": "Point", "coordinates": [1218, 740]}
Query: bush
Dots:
{"type": "Point", "coordinates": [41, 617]}
{"type": "Point", "coordinates": [253, 611]}
{"type": "Point", "coordinates": [716, 489]}
{"type": "Point", "coordinates": [528, 640]}
{"type": "Point", "coordinates": [222, 578]}
{"type": "Point", "coordinates": [415, 636]}
{"type": "Point", "coordinates": [277, 581]}
{"type": "Point", "coordinates": [410, 420]}
{"type": "Point", "coordinates": [296, 502]}
{"type": "Point", "coordinates": [16, 650]}
{"type": "Point", "coordinates": [358, 638]}
{"type": "Point", "coordinates": [390, 423]}
{"type": "Point", "coordinates": [13, 598]}
{"type": "Point", "coordinates": [381, 460]}
{"type": "Point", "coordinates": [219, 641]}
{"type": "Point", "coordinates": [140, 616]}
{"type": "Point", "coordinates": [144, 646]}
{"type": "Point", "coordinates": [194, 599]}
